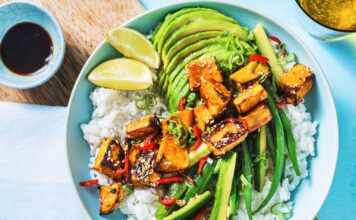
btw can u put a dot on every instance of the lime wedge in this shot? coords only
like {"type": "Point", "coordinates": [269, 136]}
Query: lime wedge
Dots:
{"type": "Point", "coordinates": [121, 73]}
{"type": "Point", "coordinates": [134, 45]}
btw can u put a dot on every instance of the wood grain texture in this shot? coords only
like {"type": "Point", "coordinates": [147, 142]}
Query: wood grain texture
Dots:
{"type": "Point", "coordinates": [84, 23]}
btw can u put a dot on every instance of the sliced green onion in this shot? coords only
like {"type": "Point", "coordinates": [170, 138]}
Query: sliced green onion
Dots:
{"type": "Point", "coordinates": [284, 60]}
{"type": "Point", "coordinates": [179, 132]}
{"type": "Point", "coordinates": [282, 210]}
{"type": "Point", "coordinates": [146, 102]}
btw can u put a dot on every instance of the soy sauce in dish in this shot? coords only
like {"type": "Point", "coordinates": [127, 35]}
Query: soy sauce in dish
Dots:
{"type": "Point", "coordinates": [26, 48]}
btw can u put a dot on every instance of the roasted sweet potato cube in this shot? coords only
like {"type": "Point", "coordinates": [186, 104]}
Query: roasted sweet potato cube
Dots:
{"type": "Point", "coordinates": [185, 117]}
{"type": "Point", "coordinates": [225, 135]}
{"type": "Point", "coordinates": [110, 158]}
{"type": "Point", "coordinates": [296, 83]}
{"type": "Point", "coordinates": [170, 157]}
{"type": "Point", "coordinates": [110, 197]}
{"type": "Point", "coordinates": [142, 173]}
{"type": "Point", "coordinates": [215, 95]}
{"type": "Point", "coordinates": [249, 73]}
{"type": "Point", "coordinates": [200, 71]}
{"type": "Point", "coordinates": [257, 117]}
{"type": "Point", "coordinates": [202, 117]}
{"type": "Point", "coordinates": [249, 98]}
{"type": "Point", "coordinates": [141, 128]}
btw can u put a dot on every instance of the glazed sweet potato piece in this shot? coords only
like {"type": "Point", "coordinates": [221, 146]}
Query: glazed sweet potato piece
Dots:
{"type": "Point", "coordinates": [185, 117]}
{"type": "Point", "coordinates": [202, 117]}
{"type": "Point", "coordinates": [142, 163]}
{"type": "Point", "coordinates": [215, 96]}
{"type": "Point", "coordinates": [200, 71]}
{"type": "Point", "coordinates": [141, 128]}
{"type": "Point", "coordinates": [249, 73]}
{"type": "Point", "coordinates": [225, 135]}
{"type": "Point", "coordinates": [257, 117]}
{"type": "Point", "coordinates": [110, 197]}
{"type": "Point", "coordinates": [110, 158]}
{"type": "Point", "coordinates": [170, 157]}
{"type": "Point", "coordinates": [249, 98]}
{"type": "Point", "coordinates": [296, 83]}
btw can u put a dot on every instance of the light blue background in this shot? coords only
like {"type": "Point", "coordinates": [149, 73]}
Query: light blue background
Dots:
{"type": "Point", "coordinates": [338, 60]}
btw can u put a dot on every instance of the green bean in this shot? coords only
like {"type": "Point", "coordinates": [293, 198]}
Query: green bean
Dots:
{"type": "Point", "coordinates": [279, 164]}
{"type": "Point", "coordinates": [291, 146]}
{"type": "Point", "coordinates": [235, 197]}
{"type": "Point", "coordinates": [246, 179]}
{"type": "Point", "coordinates": [201, 183]}
{"type": "Point", "coordinates": [271, 144]}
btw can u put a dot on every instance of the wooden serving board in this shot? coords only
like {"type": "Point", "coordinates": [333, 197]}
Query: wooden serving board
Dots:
{"type": "Point", "coordinates": [84, 23]}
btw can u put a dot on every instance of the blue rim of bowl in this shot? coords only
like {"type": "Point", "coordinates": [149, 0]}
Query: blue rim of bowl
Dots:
{"type": "Point", "coordinates": [223, 2]}
{"type": "Point", "coordinates": [61, 53]}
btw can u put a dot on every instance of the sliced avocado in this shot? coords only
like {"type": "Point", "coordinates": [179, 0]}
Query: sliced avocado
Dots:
{"type": "Point", "coordinates": [173, 107]}
{"type": "Point", "coordinates": [161, 79]}
{"type": "Point", "coordinates": [182, 43]}
{"type": "Point", "coordinates": [167, 20]}
{"type": "Point", "coordinates": [205, 25]}
{"type": "Point", "coordinates": [191, 207]}
{"type": "Point", "coordinates": [172, 87]}
{"type": "Point", "coordinates": [194, 47]}
{"type": "Point", "coordinates": [179, 21]}
{"type": "Point", "coordinates": [177, 85]}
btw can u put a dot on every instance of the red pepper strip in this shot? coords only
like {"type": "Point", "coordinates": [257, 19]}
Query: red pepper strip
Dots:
{"type": "Point", "coordinates": [188, 178]}
{"type": "Point", "coordinates": [280, 104]}
{"type": "Point", "coordinates": [89, 182]}
{"type": "Point", "coordinates": [196, 131]}
{"type": "Point", "coordinates": [169, 180]}
{"type": "Point", "coordinates": [201, 164]}
{"type": "Point", "coordinates": [168, 201]}
{"type": "Point", "coordinates": [258, 57]}
{"type": "Point", "coordinates": [150, 137]}
{"type": "Point", "coordinates": [201, 214]}
{"type": "Point", "coordinates": [275, 39]}
{"type": "Point", "coordinates": [150, 146]}
{"type": "Point", "coordinates": [182, 103]}
{"type": "Point", "coordinates": [126, 167]}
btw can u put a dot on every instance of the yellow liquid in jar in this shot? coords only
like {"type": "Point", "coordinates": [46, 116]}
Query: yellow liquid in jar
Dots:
{"type": "Point", "coordinates": [336, 14]}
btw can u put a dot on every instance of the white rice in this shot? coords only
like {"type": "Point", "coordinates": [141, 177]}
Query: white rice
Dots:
{"type": "Point", "coordinates": [114, 109]}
